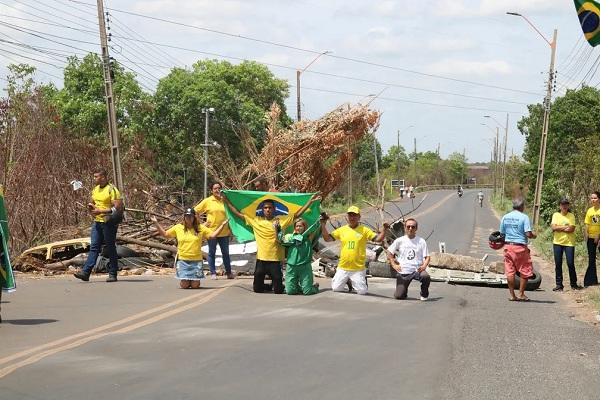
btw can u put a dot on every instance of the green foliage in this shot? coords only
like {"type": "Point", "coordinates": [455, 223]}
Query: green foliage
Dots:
{"type": "Point", "coordinates": [241, 96]}
{"type": "Point", "coordinates": [395, 157]}
{"type": "Point", "coordinates": [81, 103]}
{"type": "Point", "coordinates": [457, 166]}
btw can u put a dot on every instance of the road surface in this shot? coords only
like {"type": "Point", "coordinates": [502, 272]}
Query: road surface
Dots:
{"type": "Point", "coordinates": [142, 338]}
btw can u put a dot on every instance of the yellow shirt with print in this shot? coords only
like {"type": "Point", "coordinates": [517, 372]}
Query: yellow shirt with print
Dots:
{"type": "Point", "coordinates": [189, 243]}
{"type": "Point", "coordinates": [564, 238]}
{"type": "Point", "coordinates": [353, 251]}
{"type": "Point", "coordinates": [592, 220]}
{"type": "Point", "coordinates": [215, 214]}
{"type": "Point", "coordinates": [267, 245]}
{"type": "Point", "coordinates": [103, 198]}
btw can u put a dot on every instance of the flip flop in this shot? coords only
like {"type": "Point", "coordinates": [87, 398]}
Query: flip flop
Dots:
{"type": "Point", "coordinates": [513, 299]}
{"type": "Point", "coordinates": [524, 298]}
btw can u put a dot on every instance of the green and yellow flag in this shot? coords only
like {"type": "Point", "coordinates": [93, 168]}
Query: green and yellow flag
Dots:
{"type": "Point", "coordinates": [250, 203]}
{"type": "Point", "coordinates": [7, 279]}
{"type": "Point", "coordinates": [588, 12]}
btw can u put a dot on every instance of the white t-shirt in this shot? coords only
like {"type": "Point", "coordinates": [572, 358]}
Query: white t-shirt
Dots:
{"type": "Point", "coordinates": [409, 253]}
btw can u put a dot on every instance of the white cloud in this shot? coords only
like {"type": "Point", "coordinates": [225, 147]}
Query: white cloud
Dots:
{"type": "Point", "coordinates": [469, 68]}
{"type": "Point", "coordinates": [464, 8]}
{"type": "Point", "coordinates": [450, 44]}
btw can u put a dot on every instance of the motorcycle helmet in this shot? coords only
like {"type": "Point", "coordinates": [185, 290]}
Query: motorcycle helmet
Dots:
{"type": "Point", "coordinates": [496, 240]}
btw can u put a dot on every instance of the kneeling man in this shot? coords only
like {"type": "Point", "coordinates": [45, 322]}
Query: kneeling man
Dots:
{"type": "Point", "coordinates": [409, 256]}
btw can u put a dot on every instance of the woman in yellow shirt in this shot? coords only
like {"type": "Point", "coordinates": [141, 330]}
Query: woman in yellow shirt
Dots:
{"type": "Point", "coordinates": [189, 237]}
{"type": "Point", "coordinates": [592, 233]}
{"type": "Point", "coordinates": [214, 208]}
{"type": "Point", "coordinates": [563, 227]}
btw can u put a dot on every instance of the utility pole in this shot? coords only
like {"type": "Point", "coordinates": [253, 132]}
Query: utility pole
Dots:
{"type": "Point", "coordinates": [496, 161]}
{"type": "Point", "coordinates": [462, 177]}
{"type": "Point", "coordinates": [542, 159]}
{"type": "Point", "coordinates": [110, 103]}
{"type": "Point", "coordinates": [298, 116]}
{"type": "Point", "coordinates": [398, 160]}
{"type": "Point", "coordinates": [504, 160]}
{"type": "Point", "coordinates": [376, 166]}
{"type": "Point", "coordinates": [349, 174]}
{"type": "Point", "coordinates": [416, 179]}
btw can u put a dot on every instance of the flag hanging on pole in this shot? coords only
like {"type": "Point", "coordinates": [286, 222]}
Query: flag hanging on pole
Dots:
{"type": "Point", "coordinates": [250, 203]}
{"type": "Point", "coordinates": [588, 12]}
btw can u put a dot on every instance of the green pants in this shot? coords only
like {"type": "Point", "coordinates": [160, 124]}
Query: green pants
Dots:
{"type": "Point", "coordinates": [299, 279]}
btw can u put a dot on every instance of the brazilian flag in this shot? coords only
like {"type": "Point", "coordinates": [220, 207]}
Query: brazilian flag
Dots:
{"type": "Point", "coordinates": [250, 203]}
{"type": "Point", "coordinates": [7, 279]}
{"type": "Point", "coordinates": [588, 12]}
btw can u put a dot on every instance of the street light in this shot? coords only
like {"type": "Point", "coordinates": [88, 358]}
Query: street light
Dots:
{"type": "Point", "coordinates": [495, 154]}
{"type": "Point", "coordinates": [298, 73]}
{"type": "Point", "coordinates": [547, 100]}
{"type": "Point", "coordinates": [206, 112]}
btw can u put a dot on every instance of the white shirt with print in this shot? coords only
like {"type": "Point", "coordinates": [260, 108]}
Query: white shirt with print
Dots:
{"type": "Point", "coordinates": [409, 253]}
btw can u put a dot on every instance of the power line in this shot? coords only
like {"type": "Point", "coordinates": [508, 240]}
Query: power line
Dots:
{"type": "Point", "coordinates": [36, 69]}
{"type": "Point", "coordinates": [31, 58]}
{"type": "Point", "coordinates": [49, 13]}
{"type": "Point", "coordinates": [350, 59]}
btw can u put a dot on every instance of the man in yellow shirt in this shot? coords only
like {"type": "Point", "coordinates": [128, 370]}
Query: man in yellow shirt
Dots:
{"type": "Point", "coordinates": [592, 236]}
{"type": "Point", "coordinates": [269, 252]}
{"type": "Point", "coordinates": [106, 203]}
{"type": "Point", "coordinates": [353, 251]}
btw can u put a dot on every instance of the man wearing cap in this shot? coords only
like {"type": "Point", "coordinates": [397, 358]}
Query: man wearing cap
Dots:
{"type": "Point", "coordinates": [517, 230]}
{"type": "Point", "coordinates": [563, 229]}
{"type": "Point", "coordinates": [353, 250]}
{"type": "Point", "coordinates": [409, 256]}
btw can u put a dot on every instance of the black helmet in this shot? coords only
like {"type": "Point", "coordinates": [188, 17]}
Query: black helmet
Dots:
{"type": "Point", "coordinates": [496, 240]}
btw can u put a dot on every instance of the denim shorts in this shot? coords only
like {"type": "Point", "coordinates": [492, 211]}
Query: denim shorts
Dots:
{"type": "Point", "coordinates": [189, 270]}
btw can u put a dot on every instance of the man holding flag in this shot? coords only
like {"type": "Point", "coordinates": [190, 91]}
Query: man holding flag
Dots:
{"type": "Point", "coordinates": [256, 215]}
{"type": "Point", "coordinates": [7, 279]}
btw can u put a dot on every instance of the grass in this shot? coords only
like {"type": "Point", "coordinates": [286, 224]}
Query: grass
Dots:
{"type": "Point", "coordinates": [543, 245]}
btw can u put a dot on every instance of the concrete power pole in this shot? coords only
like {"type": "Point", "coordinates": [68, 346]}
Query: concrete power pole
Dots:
{"type": "Point", "coordinates": [416, 180]}
{"type": "Point", "coordinates": [504, 160]}
{"type": "Point", "coordinates": [110, 103]}
{"type": "Point", "coordinates": [542, 158]}
{"type": "Point", "coordinates": [496, 148]}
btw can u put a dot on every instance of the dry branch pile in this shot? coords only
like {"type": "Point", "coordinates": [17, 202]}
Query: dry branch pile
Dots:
{"type": "Point", "coordinates": [310, 156]}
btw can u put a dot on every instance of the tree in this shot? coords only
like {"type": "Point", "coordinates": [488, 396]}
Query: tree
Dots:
{"type": "Point", "coordinates": [241, 96]}
{"type": "Point", "coordinates": [457, 167]}
{"type": "Point", "coordinates": [395, 157]}
{"type": "Point", "coordinates": [81, 102]}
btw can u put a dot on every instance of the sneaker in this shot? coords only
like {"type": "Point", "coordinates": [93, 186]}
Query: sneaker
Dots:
{"type": "Point", "coordinates": [111, 278]}
{"type": "Point", "coordinates": [230, 275]}
{"type": "Point", "coordinates": [81, 275]}
{"type": "Point", "coordinates": [576, 287]}
{"type": "Point", "coordinates": [213, 277]}
{"type": "Point", "coordinates": [424, 298]}
{"type": "Point", "coordinates": [558, 289]}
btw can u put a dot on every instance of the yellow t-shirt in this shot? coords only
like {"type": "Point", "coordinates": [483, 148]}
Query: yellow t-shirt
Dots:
{"type": "Point", "coordinates": [267, 246]}
{"type": "Point", "coordinates": [564, 238]}
{"type": "Point", "coordinates": [189, 243]}
{"type": "Point", "coordinates": [592, 220]}
{"type": "Point", "coordinates": [353, 251]}
{"type": "Point", "coordinates": [103, 198]}
{"type": "Point", "coordinates": [215, 214]}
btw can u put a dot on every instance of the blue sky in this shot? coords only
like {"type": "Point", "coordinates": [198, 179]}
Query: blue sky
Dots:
{"type": "Point", "coordinates": [463, 40]}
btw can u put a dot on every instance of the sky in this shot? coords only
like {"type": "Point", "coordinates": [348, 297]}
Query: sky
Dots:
{"type": "Point", "coordinates": [434, 68]}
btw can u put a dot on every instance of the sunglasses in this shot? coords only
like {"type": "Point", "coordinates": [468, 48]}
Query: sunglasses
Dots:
{"type": "Point", "coordinates": [411, 227]}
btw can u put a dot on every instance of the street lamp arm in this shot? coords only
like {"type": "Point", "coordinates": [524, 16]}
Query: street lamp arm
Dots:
{"type": "Point", "coordinates": [532, 25]}
{"type": "Point", "coordinates": [495, 120]}
{"type": "Point", "coordinates": [315, 59]}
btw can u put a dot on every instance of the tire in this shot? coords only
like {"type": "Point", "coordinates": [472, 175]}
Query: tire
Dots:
{"type": "Point", "coordinates": [381, 270]}
{"type": "Point", "coordinates": [533, 283]}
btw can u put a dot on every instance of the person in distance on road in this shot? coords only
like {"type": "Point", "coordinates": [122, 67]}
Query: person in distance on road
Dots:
{"type": "Point", "coordinates": [409, 256]}
{"type": "Point", "coordinates": [353, 251]}
{"type": "Point", "coordinates": [106, 206]}
{"type": "Point", "coordinates": [592, 235]}
{"type": "Point", "coordinates": [563, 228]}
{"type": "Point", "coordinates": [517, 230]}
{"type": "Point", "coordinates": [189, 237]}
{"type": "Point", "coordinates": [214, 209]}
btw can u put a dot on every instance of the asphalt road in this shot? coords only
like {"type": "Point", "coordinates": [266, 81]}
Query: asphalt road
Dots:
{"type": "Point", "coordinates": [142, 338]}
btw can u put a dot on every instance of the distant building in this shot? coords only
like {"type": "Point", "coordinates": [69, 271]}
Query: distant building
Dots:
{"type": "Point", "coordinates": [481, 173]}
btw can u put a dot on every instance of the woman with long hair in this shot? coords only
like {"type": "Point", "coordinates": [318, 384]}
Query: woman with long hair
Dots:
{"type": "Point", "coordinates": [189, 235]}
{"type": "Point", "coordinates": [592, 233]}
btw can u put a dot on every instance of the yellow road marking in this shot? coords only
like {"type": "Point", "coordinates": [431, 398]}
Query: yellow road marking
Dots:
{"type": "Point", "coordinates": [97, 333]}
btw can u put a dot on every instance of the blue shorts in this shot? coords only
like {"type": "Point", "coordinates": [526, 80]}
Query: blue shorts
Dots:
{"type": "Point", "coordinates": [189, 270]}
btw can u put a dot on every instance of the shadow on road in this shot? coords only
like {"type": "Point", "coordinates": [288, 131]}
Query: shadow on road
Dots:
{"type": "Point", "coordinates": [34, 321]}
